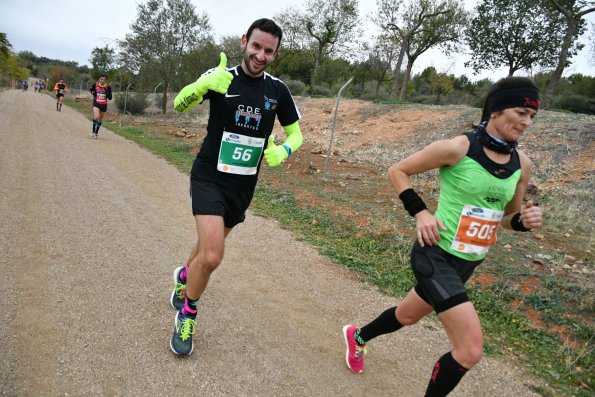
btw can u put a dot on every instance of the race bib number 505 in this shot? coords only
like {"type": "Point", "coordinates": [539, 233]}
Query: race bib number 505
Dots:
{"type": "Point", "coordinates": [476, 231]}
{"type": "Point", "coordinates": [239, 154]}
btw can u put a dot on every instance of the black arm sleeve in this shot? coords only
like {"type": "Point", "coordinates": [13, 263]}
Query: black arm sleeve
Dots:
{"type": "Point", "coordinates": [109, 92]}
{"type": "Point", "coordinates": [93, 92]}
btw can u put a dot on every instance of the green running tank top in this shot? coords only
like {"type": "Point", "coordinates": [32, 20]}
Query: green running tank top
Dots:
{"type": "Point", "coordinates": [473, 195]}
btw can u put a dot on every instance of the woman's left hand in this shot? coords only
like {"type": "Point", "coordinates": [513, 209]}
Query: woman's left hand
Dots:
{"type": "Point", "coordinates": [531, 216]}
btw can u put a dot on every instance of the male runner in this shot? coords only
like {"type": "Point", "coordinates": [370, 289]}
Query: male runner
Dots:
{"type": "Point", "coordinates": [60, 90]}
{"type": "Point", "coordinates": [244, 102]}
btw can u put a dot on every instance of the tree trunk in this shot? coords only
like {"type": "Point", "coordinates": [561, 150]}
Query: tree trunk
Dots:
{"type": "Point", "coordinates": [397, 73]}
{"type": "Point", "coordinates": [511, 68]}
{"type": "Point", "coordinates": [406, 79]}
{"type": "Point", "coordinates": [314, 77]}
{"type": "Point", "coordinates": [164, 103]}
{"type": "Point", "coordinates": [562, 59]}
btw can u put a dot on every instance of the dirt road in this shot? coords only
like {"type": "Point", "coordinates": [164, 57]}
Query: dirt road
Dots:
{"type": "Point", "coordinates": [91, 231]}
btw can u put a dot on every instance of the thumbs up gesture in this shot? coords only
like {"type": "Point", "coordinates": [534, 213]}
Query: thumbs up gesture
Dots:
{"type": "Point", "coordinates": [275, 154]}
{"type": "Point", "coordinates": [531, 216]}
{"type": "Point", "coordinates": [217, 79]}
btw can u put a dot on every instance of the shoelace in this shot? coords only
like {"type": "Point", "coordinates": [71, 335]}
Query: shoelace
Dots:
{"type": "Point", "coordinates": [360, 351]}
{"type": "Point", "coordinates": [180, 290]}
{"type": "Point", "coordinates": [187, 329]}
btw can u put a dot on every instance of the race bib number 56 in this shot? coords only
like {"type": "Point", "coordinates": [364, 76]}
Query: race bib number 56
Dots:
{"type": "Point", "coordinates": [239, 154]}
{"type": "Point", "coordinates": [476, 231]}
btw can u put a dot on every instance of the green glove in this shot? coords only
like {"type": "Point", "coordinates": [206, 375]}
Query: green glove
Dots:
{"type": "Point", "coordinates": [275, 154]}
{"type": "Point", "coordinates": [217, 79]}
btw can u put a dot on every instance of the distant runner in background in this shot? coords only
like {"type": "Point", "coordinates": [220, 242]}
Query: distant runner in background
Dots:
{"type": "Point", "coordinates": [60, 90]}
{"type": "Point", "coordinates": [41, 86]}
{"type": "Point", "coordinates": [482, 184]}
{"type": "Point", "coordinates": [102, 92]}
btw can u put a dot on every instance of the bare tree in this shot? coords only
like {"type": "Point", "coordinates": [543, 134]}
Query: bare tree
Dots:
{"type": "Point", "coordinates": [412, 30]}
{"type": "Point", "coordinates": [573, 13]}
{"type": "Point", "coordinates": [381, 54]}
{"type": "Point", "coordinates": [162, 33]}
{"type": "Point", "coordinates": [326, 27]}
{"type": "Point", "coordinates": [231, 46]}
{"type": "Point", "coordinates": [295, 40]}
{"type": "Point", "coordinates": [442, 25]}
{"type": "Point", "coordinates": [389, 20]}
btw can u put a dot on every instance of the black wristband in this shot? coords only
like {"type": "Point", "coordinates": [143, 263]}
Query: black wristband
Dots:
{"type": "Point", "coordinates": [412, 202]}
{"type": "Point", "coordinates": [516, 223]}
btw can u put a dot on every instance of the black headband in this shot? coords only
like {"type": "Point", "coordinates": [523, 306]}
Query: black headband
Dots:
{"type": "Point", "coordinates": [513, 97]}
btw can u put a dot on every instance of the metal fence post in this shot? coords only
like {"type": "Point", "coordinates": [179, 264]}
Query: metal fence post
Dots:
{"type": "Point", "coordinates": [330, 144]}
{"type": "Point", "coordinates": [155, 93]}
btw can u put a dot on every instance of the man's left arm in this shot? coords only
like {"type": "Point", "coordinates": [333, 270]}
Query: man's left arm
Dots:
{"type": "Point", "coordinates": [276, 154]}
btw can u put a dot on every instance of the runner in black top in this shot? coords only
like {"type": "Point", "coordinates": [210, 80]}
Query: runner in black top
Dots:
{"type": "Point", "coordinates": [60, 90]}
{"type": "Point", "coordinates": [101, 92]}
{"type": "Point", "coordinates": [243, 104]}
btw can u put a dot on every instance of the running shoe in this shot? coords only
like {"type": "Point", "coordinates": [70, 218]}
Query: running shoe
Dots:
{"type": "Point", "coordinates": [178, 295]}
{"type": "Point", "coordinates": [181, 339]}
{"type": "Point", "coordinates": [354, 354]}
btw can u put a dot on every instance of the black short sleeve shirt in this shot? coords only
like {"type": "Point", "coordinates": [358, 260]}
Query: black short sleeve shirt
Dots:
{"type": "Point", "coordinates": [249, 108]}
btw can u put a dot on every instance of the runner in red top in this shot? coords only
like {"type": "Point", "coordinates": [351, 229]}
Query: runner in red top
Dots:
{"type": "Point", "coordinates": [102, 92]}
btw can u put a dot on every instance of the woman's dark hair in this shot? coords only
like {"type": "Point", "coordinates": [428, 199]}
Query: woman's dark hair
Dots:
{"type": "Point", "coordinates": [504, 84]}
{"type": "Point", "coordinates": [266, 25]}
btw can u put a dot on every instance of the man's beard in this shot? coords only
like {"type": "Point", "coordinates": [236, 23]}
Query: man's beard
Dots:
{"type": "Point", "coordinates": [249, 66]}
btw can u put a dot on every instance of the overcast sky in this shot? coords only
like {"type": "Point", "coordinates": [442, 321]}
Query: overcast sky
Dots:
{"type": "Point", "coordinates": [69, 29]}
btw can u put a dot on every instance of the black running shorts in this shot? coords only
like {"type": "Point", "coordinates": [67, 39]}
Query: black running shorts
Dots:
{"type": "Point", "coordinates": [209, 198]}
{"type": "Point", "coordinates": [101, 106]}
{"type": "Point", "coordinates": [441, 276]}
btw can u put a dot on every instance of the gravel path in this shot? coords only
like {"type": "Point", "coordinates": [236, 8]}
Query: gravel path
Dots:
{"type": "Point", "coordinates": [91, 232]}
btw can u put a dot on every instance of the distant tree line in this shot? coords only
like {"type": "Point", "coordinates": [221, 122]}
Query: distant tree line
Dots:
{"type": "Point", "coordinates": [10, 64]}
{"type": "Point", "coordinates": [171, 44]}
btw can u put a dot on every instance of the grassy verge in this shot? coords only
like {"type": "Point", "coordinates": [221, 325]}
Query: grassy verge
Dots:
{"type": "Point", "coordinates": [381, 256]}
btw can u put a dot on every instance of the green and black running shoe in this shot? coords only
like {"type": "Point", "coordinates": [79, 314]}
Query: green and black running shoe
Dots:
{"type": "Point", "coordinates": [178, 295]}
{"type": "Point", "coordinates": [181, 340]}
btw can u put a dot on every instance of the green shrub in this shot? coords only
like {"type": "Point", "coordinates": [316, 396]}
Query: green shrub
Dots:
{"type": "Point", "coordinates": [574, 103]}
{"type": "Point", "coordinates": [318, 90]}
{"type": "Point", "coordinates": [368, 92]}
{"type": "Point", "coordinates": [136, 103]}
{"type": "Point", "coordinates": [296, 87]}
{"type": "Point", "coordinates": [424, 99]}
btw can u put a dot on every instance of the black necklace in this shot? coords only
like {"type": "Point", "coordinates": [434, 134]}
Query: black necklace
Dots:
{"type": "Point", "coordinates": [495, 144]}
